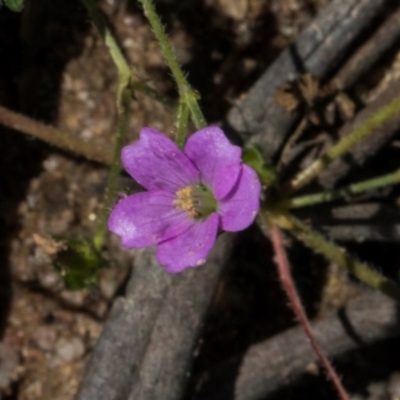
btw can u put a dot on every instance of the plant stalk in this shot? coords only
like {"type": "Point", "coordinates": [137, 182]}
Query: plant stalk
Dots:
{"type": "Point", "coordinates": [355, 188]}
{"type": "Point", "coordinates": [110, 194]}
{"type": "Point", "coordinates": [186, 93]}
{"type": "Point", "coordinates": [360, 133]}
{"type": "Point", "coordinates": [181, 120]}
{"type": "Point", "coordinates": [124, 95]}
{"type": "Point", "coordinates": [92, 150]}
{"type": "Point", "coordinates": [125, 73]}
{"type": "Point", "coordinates": [338, 255]}
{"type": "Point", "coordinates": [298, 309]}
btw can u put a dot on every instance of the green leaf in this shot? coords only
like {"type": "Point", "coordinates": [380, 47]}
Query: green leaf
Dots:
{"type": "Point", "coordinates": [14, 5]}
{"type": "Point", "coordinates": [252, 156]}
{"type": "Point", "coordinates": [79, 264]}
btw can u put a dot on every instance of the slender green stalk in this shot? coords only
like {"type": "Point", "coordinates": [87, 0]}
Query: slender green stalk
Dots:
{"type": "Point", "coordinates": [196, 113]}
{"type": "Point", "coordinates": [158, 29]}
{"type": "Point", "coordinates": [311, 199]}
{"type": "Point", "coordinates": [124, 95]}
{"type": "Point", "coordinates": [339, 256]}
{"type": "Point", "coordinates": [186, 93]}
{"type": "Point", "coordinates": [345, 144]}
{"type": "Point", "coordinates": [125, 72]}
{"type": "Point", "coordinates": [182, 116]}
{"type": "Point", "coordinates": [115, 170]}
{"type": "Point", "coordinates": [116, 53]}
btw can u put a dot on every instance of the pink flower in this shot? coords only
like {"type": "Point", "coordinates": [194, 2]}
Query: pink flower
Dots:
{"type": "Point", "coordinates": [191, 194]}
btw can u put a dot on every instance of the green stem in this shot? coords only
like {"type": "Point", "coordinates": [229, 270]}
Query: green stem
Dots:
{"type": "Point", "coordinates": [124, 95]}
{"type": "Point", "coordinates": [186, 93]}
{"type": "Point", "coordinates": [158, 29]}
{"type": "Point", "coordinates": [116, 53]}
{"type": "Point", "coordinates": [345, 144]}
{"type": "Point", "coordinates": [196, 113]}
{"type": "Point", "coordinates": [311, 199]}
{"type": "Point", "coordinates": [115, 170]}
{"type": "Point", "coordinates": [125, 72]}
{"type": "Point", "coordinates": [339, 256]}
{"type": "Point", "coordinates": [182, 115]}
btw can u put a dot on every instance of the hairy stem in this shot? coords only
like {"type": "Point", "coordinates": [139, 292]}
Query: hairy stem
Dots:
{"type": "Point", "coordinates": [297, 307]}
{"type": "Point", "coordinates": [166, 49]}
{"type": "Point", "coordinates": [125, 72]}
{"type": "Point", "coordinates": [115, 170]}
{"type": "Point", "coordinates": [91, 150]}
{"type": "Point", "coordinates": [97, 17]}
{"type": "Point", "coordinates": [186, 93]}
{"type": "Point", "coordinates": [197, 115]}
{"type": "Point", "coordinates": [345, 144]}
{"type": "Point", "coordinates": [124, 95]}
{"type": "Point", "coordinates": [336, 254]}
{"type": "Point", "coordinates": [182, 115]}
{"type": "Point", "coordinates": [311, 199]}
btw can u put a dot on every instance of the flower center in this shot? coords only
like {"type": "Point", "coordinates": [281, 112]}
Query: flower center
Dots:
{"type": "Point", "coordinates": [198, 201]}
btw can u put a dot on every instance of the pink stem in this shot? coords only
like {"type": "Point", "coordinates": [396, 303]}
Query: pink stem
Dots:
{"type": "Point", "coordinates": [294, 299]}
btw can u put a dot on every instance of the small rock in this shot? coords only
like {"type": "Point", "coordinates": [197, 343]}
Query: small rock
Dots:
{"type": "Point", "coordinates": [88, 328]}
{"type": "Point", "coordinates": [236, 9]}
{"type": "Point", "coordinates": [35, 390]}
{"type": "Point", "coordinates": [45, 337]}
{"type": "Point", "coordinates": [70, 349]}
{"type": "Point", "coordinates": [76, 298]}
{"type": "Point", "coordinates": [313, 368]}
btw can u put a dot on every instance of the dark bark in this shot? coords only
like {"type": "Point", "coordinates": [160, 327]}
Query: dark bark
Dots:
{"type": "Point", "coordinates": [368, 221]}
{"type": "Point", "coordinates": [318, 50]}
{"type": "Point", "coordinates": [269, 365]}
{"type": "Point", "coordinates": [145, 349]}
{"type": "Point", "coordinates": [281, 360]}
{"type": "Point", "coordinates": [368, 147]}
{"type": "Point", "coordinates": [369, 53]}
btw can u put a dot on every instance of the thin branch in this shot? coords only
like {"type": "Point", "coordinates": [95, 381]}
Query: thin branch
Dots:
{"type": "Point", "coordinates": [355, 188]}
{"type": "Point", "coordinates": [292, 140]}
{"type": "Point", "coordinates": [361, 132]}
{"type": "Point", "coordinates": [186, 93]}
{"type": "Point", "coordinates": [110, 195]}
{"type": "Point", "coordinates": [295, 302]}
{"type": "Point", "coordinates": [125, 72]}
{"type": "Point", "coordinates": [338, 255]}
{"type": "Point", "coordinates": [269, 366]}
{"type": "Point", "coordinates": [124, 95]}
{"type": "Point", "coordinates": [92, 150]}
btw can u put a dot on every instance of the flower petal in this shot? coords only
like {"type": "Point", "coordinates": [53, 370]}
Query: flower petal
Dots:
{"type": "Point", "coordinates": [190, 249]}
{"type": "Point", "coordinates": [240, 207]}
{"type": "Point", "coordinates": [157, 163]}
{"type": "Point", "coordinates": [147, 218]}
{"type": "Point", "coordinates": [216, 158]}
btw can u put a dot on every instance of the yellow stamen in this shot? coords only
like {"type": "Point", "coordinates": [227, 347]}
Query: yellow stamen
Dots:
{"type": "Point", "coordinates": [185, 201]}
